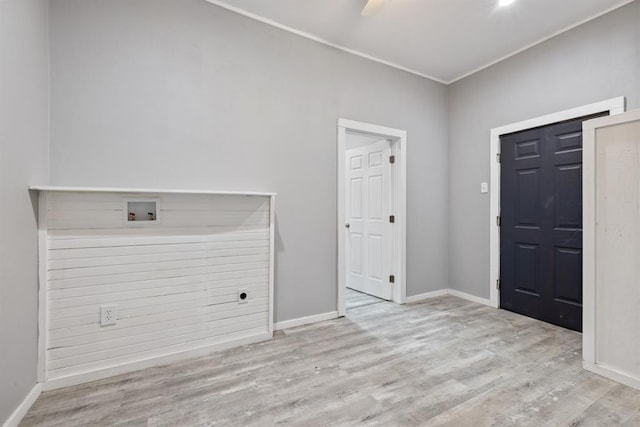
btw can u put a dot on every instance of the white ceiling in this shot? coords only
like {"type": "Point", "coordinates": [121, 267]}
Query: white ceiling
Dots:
{"type": "Point", "coordinates": [441, 39]}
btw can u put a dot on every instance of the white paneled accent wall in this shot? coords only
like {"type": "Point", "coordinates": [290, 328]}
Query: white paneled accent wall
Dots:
{"type": "Point", "coordinates": [175, 281]}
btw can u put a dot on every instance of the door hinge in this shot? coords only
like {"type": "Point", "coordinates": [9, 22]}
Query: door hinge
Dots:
{"type": "Point", "coordinates": [498, 157]}
{"type": "Point", "coordinates": [392, 279]}
{"type": "Point", "coordinates": [498, 284]}
{"type": "Point", "coordinates": [392, 159]}
{"type": "Point", "coordinates": [499, 221]}
{"type": "Point", "coordinates": [392, 219]}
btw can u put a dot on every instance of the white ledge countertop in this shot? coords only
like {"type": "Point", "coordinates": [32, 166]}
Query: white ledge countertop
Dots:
{"type": "Point", "coordinates": [145, 190]}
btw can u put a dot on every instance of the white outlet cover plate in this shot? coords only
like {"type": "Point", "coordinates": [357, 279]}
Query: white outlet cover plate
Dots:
{"type": "Point", "coordinates": [108, 314]}
{"type": "Point", "coordinates": [484, 187]}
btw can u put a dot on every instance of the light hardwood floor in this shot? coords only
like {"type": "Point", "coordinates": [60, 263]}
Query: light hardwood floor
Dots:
{"type": "Point", "coordinates": [442, 362]}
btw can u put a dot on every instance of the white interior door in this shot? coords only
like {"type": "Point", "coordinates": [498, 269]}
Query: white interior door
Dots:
{"type": "Point", "coordinates": [368, 230]}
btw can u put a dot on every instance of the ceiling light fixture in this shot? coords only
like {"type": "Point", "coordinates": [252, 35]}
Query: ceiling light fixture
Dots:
{"type": "Point", "coordinates": [371, 7]}
{"type": "Point", "coordinates": [506, 2]}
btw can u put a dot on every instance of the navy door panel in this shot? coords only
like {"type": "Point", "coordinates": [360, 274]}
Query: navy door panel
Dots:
{"type": "Point", "coordinates": [541, 223]}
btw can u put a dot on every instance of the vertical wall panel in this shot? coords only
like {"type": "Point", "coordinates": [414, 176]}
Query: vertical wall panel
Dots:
{"type": "Point", "coordinates": [617, 237]}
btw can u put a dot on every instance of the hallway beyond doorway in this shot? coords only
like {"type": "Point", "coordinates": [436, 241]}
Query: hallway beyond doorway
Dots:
{"type": "Point", "coordinates": [356, 299]}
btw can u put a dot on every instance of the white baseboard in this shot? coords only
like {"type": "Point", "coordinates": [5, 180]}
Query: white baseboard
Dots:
{"type": "Point", "coordinates": [470, 297]}
{"type": "Point", "coordinates": [100, 374]}
{"type": "Point", "coordinates": [612, 374]}
{"type": "Point", "coordinates": [428, 295]}
{"type": "Point", "coordinates": [306, 320]}
{"type": "Point", "coordinates": [24, 406]}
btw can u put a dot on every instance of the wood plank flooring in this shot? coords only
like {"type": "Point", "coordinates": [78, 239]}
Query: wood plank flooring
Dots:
{"type": "Point", "coordinates": [442, 362]}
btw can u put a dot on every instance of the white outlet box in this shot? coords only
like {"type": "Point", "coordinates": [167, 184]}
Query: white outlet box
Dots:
{"type": "Point", "coordinates": [108, 314]}
{"type": "Point", "coordinates": [243, 296]}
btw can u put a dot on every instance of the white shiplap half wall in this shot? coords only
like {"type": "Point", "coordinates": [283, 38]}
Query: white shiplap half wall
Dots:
{"type": "Point", "coordinates": [175, 281]}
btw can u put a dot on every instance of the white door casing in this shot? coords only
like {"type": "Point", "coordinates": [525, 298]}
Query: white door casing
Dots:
{"type": "Point", "coordinates": [368, 205]}
{"type": "Point", "coordinates": [398, 140]}
{"type": "Point", "coordinates": [613, 106]}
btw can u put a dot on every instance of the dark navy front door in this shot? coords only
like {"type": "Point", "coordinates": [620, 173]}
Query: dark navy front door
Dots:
{"type": "Point", "coordinates": [541, 223]}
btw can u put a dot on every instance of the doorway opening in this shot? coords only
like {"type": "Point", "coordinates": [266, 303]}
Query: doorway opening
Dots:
{"type": "Point", "coordinates": [371, 214]}
{"type": "Point", "coordinates": [536, 215]}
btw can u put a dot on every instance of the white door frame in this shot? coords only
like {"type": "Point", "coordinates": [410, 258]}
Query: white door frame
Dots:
{"type": "Point", "coordinates": [399, 230]}
{"type": "Point", "coordinates": [613, 106]}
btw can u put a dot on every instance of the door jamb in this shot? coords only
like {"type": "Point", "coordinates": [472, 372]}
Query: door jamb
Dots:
{"type": "Point", "coordinates": [613, 106]}
{"type": "Point", "coordinates": [399, 230]}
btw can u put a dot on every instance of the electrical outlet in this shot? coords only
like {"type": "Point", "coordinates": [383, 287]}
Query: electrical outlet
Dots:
{"type": "Point", "coordinates": [108, 314]}
{"type": "Point", "coordinates": [243, 296]}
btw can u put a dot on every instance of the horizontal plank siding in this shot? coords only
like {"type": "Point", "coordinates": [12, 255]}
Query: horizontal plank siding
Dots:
{"type": "Point", "coordinates": [115, 220]}
{"type": "Point", "coordinates": [144, 296]}
{"type": "Point", "coordinates": [125, 267]}
{"type": "Point", "coordinates": [110, 347]}
{"type": "Point", "coordinates": [244, 279]}
{"type": "Point", "coordinates": [221, 272]}
{"type": "Point", "coordinates": [135, 344]}
{"type": "Point", "coordinates": [164, 350]}
{"type": "Point", "coordinates": [222, 310]}
{"type": "Point", "coordinates": [87, 252]}
{"type": "Point", "coordinates": [143, 312]}
{"type": "Point", "coordinates": [115, 336]}
{"type": "Point", "coordinates": [80, 239]}
{"type": "Point", "coordinates": [175, 281]}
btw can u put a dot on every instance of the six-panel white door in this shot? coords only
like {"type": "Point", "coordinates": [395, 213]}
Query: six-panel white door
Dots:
{"type": "Point", "coordinates": [368, 229]}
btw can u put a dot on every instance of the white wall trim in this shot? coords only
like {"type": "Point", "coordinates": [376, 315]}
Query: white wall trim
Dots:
{"type": "Point", "coordinates": [382, 131]}
{"type": "Point", "coordinates": [588, 246]}
{"type": "Point", "coordinates": [64, 189]}
{"type": "Point", "coordinates": [400, 230]}
{"type": "Point", "coordinates": [613, 105]}
{"type": "Point", "coordinates": [612, 374]}
{"type": "Point", "coordinates": [151, 362]}
{"type": "Point", "coordinates": [469, 297]}
{"type": "Point", "coordinates": [22, 409]}
{"type": "Point", "coordinates": [43, 279]}
{"type": "Point", "coordinates": [425, 296]}
{"type": "Point", "coordinates": [306, 320]}
{"type": "Point", "coordinates": [309, 36]}
{"type": "Point", "coordinates": [272, 259]}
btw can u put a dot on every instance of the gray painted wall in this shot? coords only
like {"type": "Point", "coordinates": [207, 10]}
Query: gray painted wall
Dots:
{"type": "Point", "coordinates": [596, 61]}
{"type": "Point", "coordinates": [24, 124]}
{"type": "Point", "coordinates": [184, 94]}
